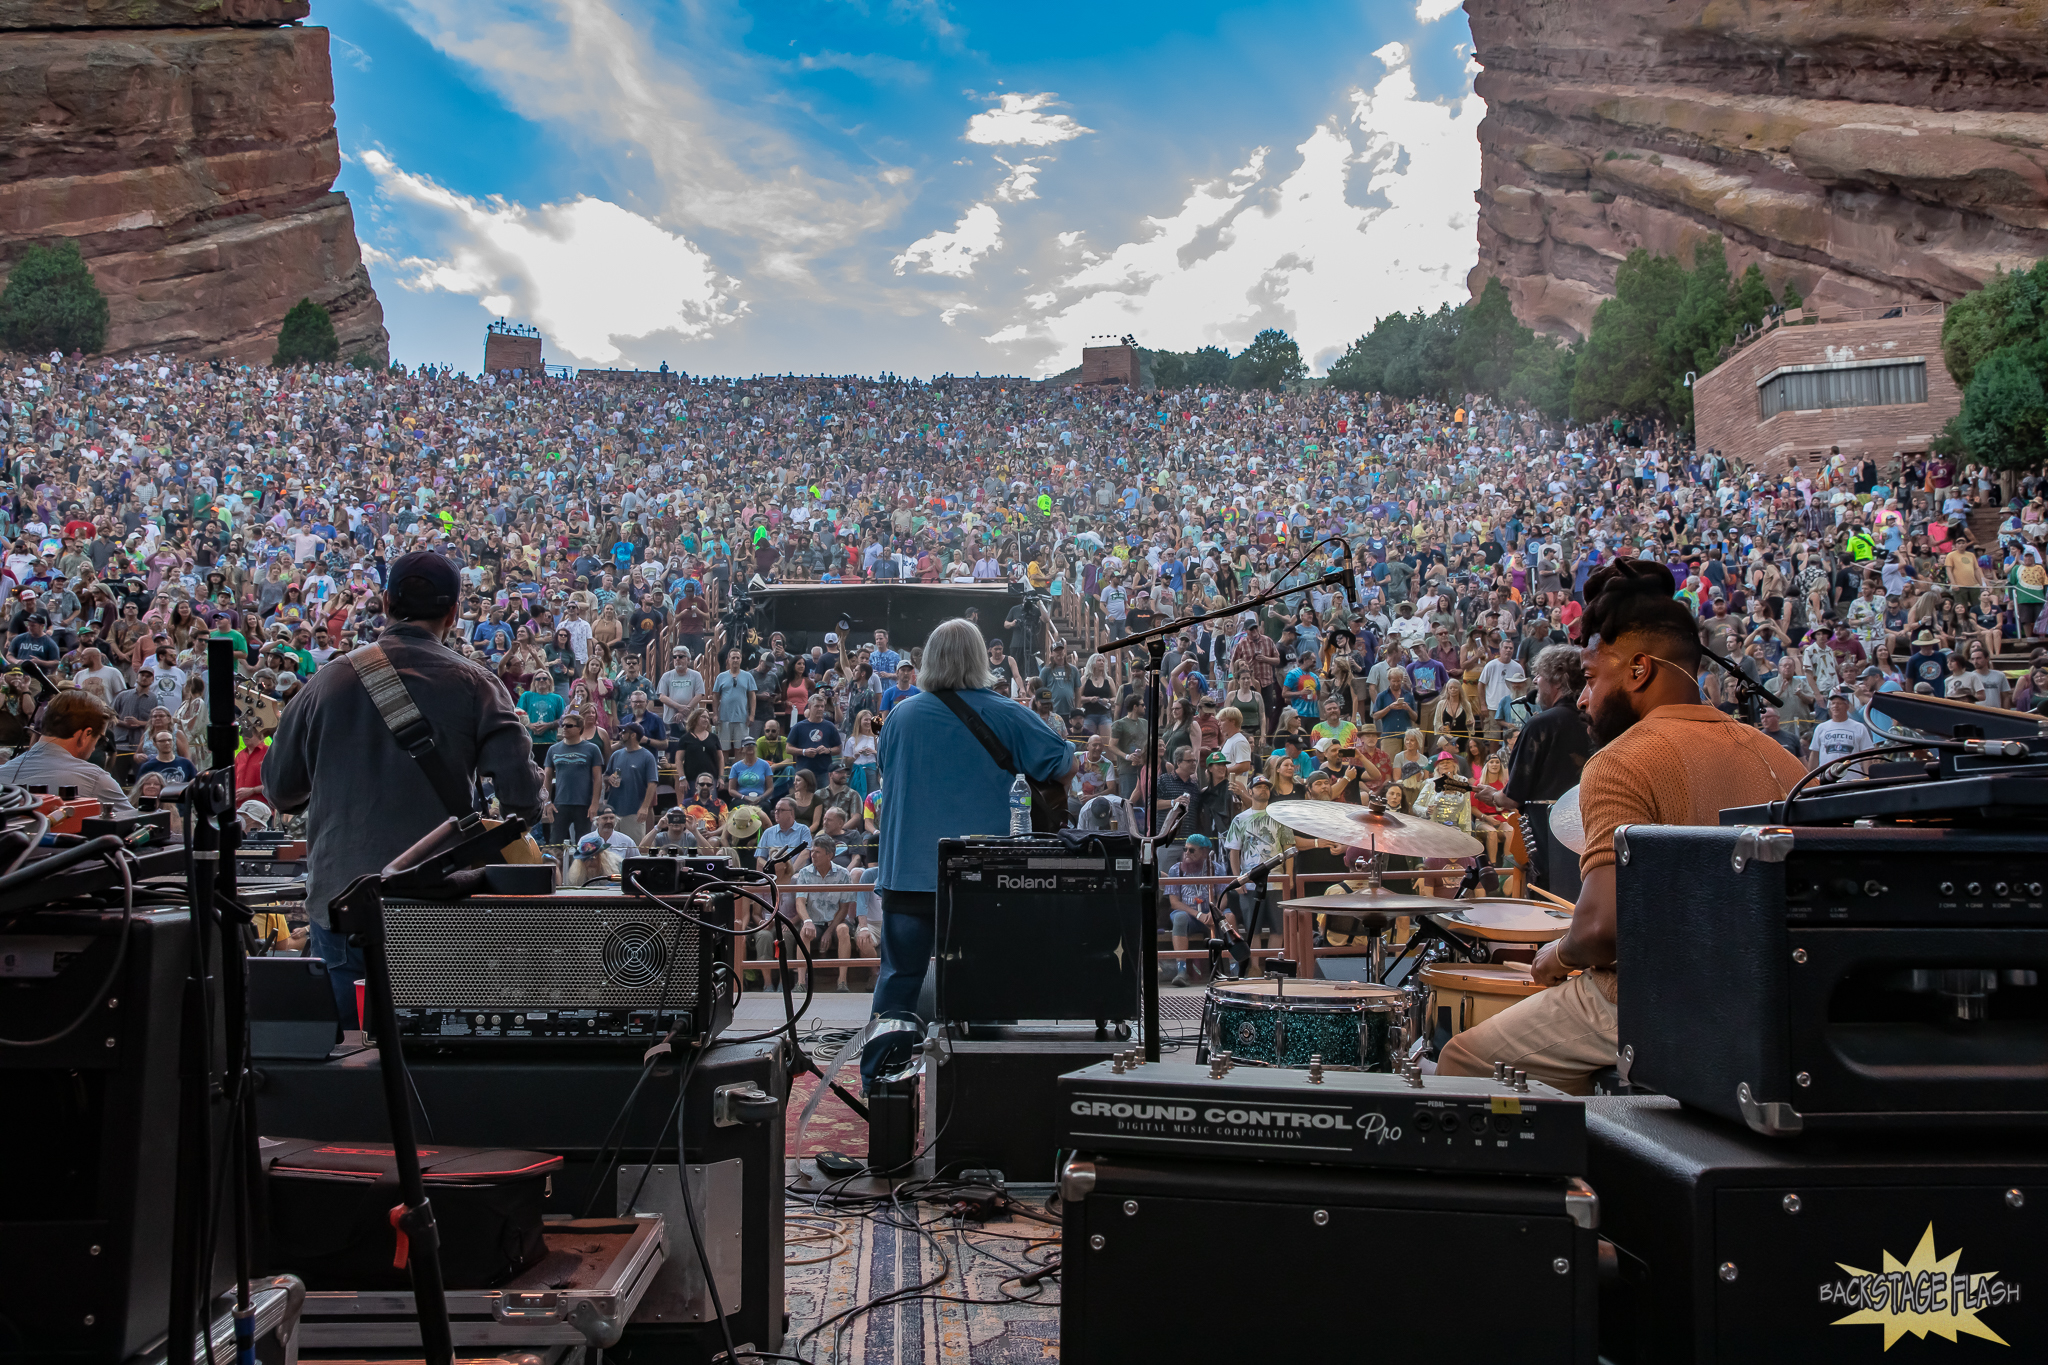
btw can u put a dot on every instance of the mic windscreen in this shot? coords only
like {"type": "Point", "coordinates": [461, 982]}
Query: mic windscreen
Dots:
{"type": "Point", "coordinates": [220, 682]}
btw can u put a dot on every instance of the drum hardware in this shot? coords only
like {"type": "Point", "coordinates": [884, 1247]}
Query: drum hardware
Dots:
{"type": "Point", "coordinates": [1375, 909]}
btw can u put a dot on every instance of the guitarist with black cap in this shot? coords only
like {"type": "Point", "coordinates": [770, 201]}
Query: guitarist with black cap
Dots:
{"type": "Point", "coordinates": [387, 741]}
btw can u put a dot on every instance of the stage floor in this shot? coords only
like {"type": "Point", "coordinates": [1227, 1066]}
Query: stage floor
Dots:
{"type": "Point", "coordinates": [1180, 1011]}
{"type": "Point", "coordinates": [977, 1314]}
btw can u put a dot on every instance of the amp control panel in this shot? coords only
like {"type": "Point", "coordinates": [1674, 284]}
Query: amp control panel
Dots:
{"type": "Point", "coordinates": [1914, 888]}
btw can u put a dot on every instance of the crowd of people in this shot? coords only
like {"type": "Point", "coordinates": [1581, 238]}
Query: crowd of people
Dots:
{"type": "Point", "coordinates": [601, 529]}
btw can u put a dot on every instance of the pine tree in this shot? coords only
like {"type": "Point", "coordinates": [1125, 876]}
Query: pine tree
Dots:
{"type": "Point", "coordinates": [52, 303]}
{"type": "Point", "coordinates": [1752, 301]}
{"type": "Point", "coordinates": [307, 336]}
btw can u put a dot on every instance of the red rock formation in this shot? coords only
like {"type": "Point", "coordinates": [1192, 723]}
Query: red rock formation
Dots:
{"type": "Point", "coordinates": [188, 146]}
{"type": "Point", "coordinates": [1872, 151]}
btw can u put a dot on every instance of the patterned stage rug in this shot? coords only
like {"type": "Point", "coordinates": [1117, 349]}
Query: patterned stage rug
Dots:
{"type": "Point", "coordinates": [834, 1128]}
{"type": "Point", "coordinates": [838, 1259]}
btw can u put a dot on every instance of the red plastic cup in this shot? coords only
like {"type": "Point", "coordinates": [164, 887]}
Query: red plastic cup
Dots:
{"type": "Point", "coordinates": [362, 1007]}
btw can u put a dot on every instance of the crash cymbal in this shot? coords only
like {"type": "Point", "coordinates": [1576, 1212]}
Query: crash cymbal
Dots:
{"type": "Point", "coordinates": [1364, 827]}
{"type": "Point", "coordinates": [1364, 902]}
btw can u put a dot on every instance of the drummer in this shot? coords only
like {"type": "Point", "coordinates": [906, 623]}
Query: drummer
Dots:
{"type": "Point", "coordinates": [1664, 759]}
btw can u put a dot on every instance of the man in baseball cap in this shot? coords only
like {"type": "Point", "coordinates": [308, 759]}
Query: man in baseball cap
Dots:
{"type": "Point", "coordinates": [380, 747]}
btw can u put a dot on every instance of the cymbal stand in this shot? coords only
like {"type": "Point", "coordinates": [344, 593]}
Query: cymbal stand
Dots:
{"type": "Point", "coordinates": [1154, 641]}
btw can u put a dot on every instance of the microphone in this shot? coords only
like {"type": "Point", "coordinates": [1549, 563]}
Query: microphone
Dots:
{"type": "Point", "coordinates": [1339, 578]}
{"type": "Point", "coordinates": [1255, 871]}
{"type": "Point", "coordinates": [1174, 812]}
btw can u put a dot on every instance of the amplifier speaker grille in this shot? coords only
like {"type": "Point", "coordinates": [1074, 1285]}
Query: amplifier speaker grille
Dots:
{"type": "Point", "coordinates": [544, 953]}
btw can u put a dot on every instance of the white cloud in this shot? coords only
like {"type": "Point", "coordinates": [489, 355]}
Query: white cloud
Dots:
{"type": "Point", "coordinates": [955, 253]}
{"type": "Point", "coordinates": [1280, 242]}
{"type": "Point", "coordinates": [1019, 120]}
{"type": "Point", "coordinates": [585, 271]}
{"type": "Point", "coordinates": [979, 231]}
{"type": "Point", "coordinates": [590, 72]}
{"type": "Point", "coordinates": [1020, 184]}
{"type": "Point", "coordinates": [870, 66]}
{"type": "Point", "coordinates": [1429, 11]}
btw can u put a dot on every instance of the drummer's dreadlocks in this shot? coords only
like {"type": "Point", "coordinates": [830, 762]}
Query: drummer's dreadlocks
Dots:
{"type": "Point", "coordinates": [1639, 597]}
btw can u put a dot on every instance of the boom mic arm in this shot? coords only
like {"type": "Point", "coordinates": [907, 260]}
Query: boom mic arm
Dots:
{"type": "Point", "coordinates": [1749, 687]}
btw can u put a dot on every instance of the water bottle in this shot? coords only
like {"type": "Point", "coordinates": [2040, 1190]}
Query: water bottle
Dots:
{"type": "Point", "coordinates": [1020, 806]}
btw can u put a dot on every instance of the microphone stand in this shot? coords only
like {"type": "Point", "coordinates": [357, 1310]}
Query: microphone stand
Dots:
{"type": "Point", "coordinates": [1753, 694]}
{"type": "Point", "coordinates": [1154, 641]}
{"type": "Point", "coordinates": [432, 867]}
{"type": "Point", "coordinates": [213, 835]}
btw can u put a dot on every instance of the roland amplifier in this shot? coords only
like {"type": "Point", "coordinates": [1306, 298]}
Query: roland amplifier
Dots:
{"type": "Point", "coordinates": [1072, 910]}
{"type": "Point", "coordinates": [580, 970]}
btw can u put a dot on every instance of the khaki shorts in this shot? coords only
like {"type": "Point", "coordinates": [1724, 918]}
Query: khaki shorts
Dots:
{"type": "Point", "coordinates": [1561, 1037]}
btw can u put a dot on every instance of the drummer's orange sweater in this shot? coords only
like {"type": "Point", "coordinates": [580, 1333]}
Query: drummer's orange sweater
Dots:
{"type": "Point", "coordinates": [1680, 765]}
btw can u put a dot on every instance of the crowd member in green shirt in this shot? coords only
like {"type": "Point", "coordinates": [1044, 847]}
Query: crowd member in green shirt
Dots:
{"type": "Point", "coordinates": [543, 707]}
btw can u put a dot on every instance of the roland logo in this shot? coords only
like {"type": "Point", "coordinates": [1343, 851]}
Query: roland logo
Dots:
{"type": "Point", "coordinates": [1006, 882]}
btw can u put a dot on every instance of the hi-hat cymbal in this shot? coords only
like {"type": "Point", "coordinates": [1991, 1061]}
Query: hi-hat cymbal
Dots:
{"type": "Point", "coordinates": [1363, 827]}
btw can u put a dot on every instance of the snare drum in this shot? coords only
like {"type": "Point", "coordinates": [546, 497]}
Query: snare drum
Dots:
{"type": "Point", "coordinates": [1349, 1024]}
{"type": "Point", "coordinates": [1463, 994]}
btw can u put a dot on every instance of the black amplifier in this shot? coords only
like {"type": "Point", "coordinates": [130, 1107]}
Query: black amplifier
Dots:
{"type": "Point", "coordinates": [1202, 1262]}
{"type": "Point", "coordinates": [1347, 1118]}
{"type": "Point", "coordinates": [582, 968]}
{"type": "Point", "coordinates": [1836, 978]}
{"type": "Point", "coordinates": [1730, 1248]}
{"type": "Point", "coordinates": [1071, 910]}
{"type": "Point", "coordinates": [87, 1232]}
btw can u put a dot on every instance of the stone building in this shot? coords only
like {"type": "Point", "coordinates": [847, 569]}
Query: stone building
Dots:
{"type": "Point", "coordinates": [512, 346]}
{"type": "Point", "coordinates": [1870, 381]}
{"type": "Point", "coordinates": [1109, 365]}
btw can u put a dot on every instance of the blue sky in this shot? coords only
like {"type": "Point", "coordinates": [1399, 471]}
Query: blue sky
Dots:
{"type": "Point", "coordinates": [906, 185]}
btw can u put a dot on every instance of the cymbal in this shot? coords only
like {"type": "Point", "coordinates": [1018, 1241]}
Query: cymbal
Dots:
{"type": "Point", "coordinates": [1363, 827]}
{"type": "Point", "coordinates": [1363, 902]}
{"type": "Point", "coordinates": [1504, 920]}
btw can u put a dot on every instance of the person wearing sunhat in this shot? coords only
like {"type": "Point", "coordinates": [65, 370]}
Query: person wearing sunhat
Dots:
{"type": "Point", "coordinates": [1442, 800]}
{"type": "Point", "coordinates": [1927, 663]}
{"type": "Point", "coordinates": [590, 860]}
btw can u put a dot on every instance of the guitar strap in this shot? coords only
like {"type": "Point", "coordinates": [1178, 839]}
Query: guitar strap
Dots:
{"type": "Point", "coordinates": [410, 728]}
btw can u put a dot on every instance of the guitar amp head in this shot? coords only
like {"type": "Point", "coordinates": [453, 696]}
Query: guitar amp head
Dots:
{"type": "Point", "coordinates": [581, 970]}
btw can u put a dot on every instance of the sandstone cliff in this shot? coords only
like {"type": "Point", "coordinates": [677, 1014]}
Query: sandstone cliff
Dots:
{"type": "Point", "coordinates": [1872, 151]}
{"type": "Point", "coordinates": [188, 146]}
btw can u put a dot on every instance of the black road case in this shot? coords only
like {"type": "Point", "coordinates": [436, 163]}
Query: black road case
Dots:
{"type": "Point", "coordinates": [1199, 1262]}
